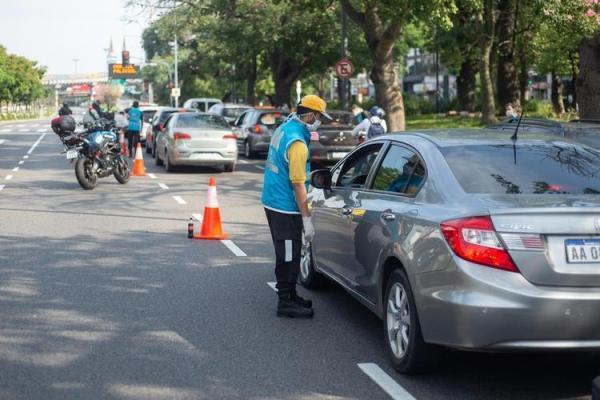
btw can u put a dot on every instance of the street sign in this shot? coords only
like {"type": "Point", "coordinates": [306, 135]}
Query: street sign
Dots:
{"type": "Point", "coordinates": [175, 92]}
{"type": "Point", "coordinates": [344, 69]}
{"type": "Point", "coordinates": [120, 71]}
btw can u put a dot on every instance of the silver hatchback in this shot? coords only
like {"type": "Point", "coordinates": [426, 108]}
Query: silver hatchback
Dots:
{"type": "Point", "coordinates": [464, 239]}
{"type": "Point", "coordinates": [196, 139]}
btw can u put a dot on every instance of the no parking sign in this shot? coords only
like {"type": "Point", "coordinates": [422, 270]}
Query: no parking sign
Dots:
{"type": "Point", "coordinates": [344, 69]}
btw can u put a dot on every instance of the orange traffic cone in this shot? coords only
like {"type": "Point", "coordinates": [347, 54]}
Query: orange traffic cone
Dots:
{"type": "Point", "coordinates": [138, 163]}
{"type": "Point", "coordinates": [211, 222]}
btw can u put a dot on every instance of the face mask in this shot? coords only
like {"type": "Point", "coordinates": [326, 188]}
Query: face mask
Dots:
{"type": "Point", "coordinates": [314, 126]}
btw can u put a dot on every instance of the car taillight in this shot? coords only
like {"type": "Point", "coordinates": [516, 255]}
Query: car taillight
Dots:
{"type": "Point", "coordinates": [314, 136]}
{"type": "Point", "coordinates": [230, 136]}
{"type": "Point", "coordinates": [474, 239]}
{"type": "Point", "coordinates": [181, 136]}
{"type": "Point", "coordinates": [257, 129]}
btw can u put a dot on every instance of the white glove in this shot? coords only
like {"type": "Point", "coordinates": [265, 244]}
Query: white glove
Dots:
{"type": "Point", "coordinates": [309, 229]}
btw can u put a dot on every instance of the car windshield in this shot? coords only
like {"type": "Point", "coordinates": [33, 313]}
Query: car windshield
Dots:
{"type": "Point", "coordinates": [272, 119]}
{"type": "Point", "coordinates": [147, 115]}
{"type": "Point", "coordinates": [233, 112]}
{"type": "Point", "coordinates": [165, 114]}
{"type": "Point", "coordinates": [545, 168]}
{"type": "Point", "coordinates": [201, 121]}
{"type": "Point", "coordinates": [338, 119]}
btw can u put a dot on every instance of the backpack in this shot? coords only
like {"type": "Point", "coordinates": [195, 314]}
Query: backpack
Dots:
{"type": "Point", "coordinates": [376, 129]}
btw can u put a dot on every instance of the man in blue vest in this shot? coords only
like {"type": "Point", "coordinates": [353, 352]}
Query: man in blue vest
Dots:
{"type": "Point", "coordinates": [134, 127]}
{"type": "Point", "coordinates": [285, 201]}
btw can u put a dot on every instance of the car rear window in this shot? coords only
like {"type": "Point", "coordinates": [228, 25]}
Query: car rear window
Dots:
{"type": "Point", "coordinates": [147, 115]}
{"type": "Point", "coordinates": [164, 115]}
{"type": "Point", "coordinates": [273, 119]}
{"type": "Point", "coordinates": [547, 168]}
{"type": "Point", "coordinates": [201, 121]}
{"type": "Point", "coordinates": [234, 112]}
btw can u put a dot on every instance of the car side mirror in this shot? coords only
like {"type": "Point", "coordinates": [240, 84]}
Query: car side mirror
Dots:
{"type": "Point", "coordinates": [321, 179]}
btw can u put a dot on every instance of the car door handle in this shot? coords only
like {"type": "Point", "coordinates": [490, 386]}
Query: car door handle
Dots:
{"type": "Point", "coordinates": [388, 216]}
{"type": "Point", "coordinates": [346, 210]}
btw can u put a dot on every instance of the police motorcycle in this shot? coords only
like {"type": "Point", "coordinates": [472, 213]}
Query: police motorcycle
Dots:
{"type": "Point", "coordinates": [99, 155]}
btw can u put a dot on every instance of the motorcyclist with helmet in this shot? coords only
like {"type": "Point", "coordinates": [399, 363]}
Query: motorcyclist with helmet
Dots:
{"type": "Point", "coordinates": [374, 126]}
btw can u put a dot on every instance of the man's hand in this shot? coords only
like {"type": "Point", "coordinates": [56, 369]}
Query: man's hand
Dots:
{"type": "Point", "coordinates": [309, 229]}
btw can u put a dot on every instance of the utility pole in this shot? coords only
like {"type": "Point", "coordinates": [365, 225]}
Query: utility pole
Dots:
{"type": "Point", "coordinates": [176, 72]}
{"type": "Point", "coordinates": [343, 82]}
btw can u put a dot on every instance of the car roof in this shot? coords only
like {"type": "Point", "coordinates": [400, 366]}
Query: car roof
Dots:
{"type": "Point", "coordinates": [236, 105]}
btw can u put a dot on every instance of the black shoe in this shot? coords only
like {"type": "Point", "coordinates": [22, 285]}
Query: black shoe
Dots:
{"type": "Point", "coordinates": [306, 303]}
{"type": "Point", "coordinates": [291, 309]}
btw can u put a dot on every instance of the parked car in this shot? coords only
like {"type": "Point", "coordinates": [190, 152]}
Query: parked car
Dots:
{"type": "Point", "coordinates": [201, 104]}
{"type": "Point", "coordinates": [464, 239]}
{"type": "Point", "coordinates": [229, 111]}
{"type": "Point", "coordinates": [254, 129]}
{"type": "Point", "coordinates": [147, 115]}
{"type": "Point", "coordinates": [157, 124]}
{"type": "Point", "coordinates": [192, 138]}
{"type": "Point", "coordinates": [584, 131]}
{"type": "Point", "coordinates": [333, 140]}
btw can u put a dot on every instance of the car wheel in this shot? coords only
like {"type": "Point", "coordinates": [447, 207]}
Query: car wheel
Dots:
{"type": "Point", "coordinates": [148, 149]}
{"type": "Point", "coordinates": [153, 152]}
{"type": "Point", "coordinates": [168, 166]}
{"type": "Point", "coordinates": [157, 160]}
{"type": "Point", "coordinates": [404, 342]}
{"type": "Point", "coordinates": [229, 167]}
{"type": "Point", "coordinates": [308, 277]}
{"type": "Point", "coordinates": [248, 152]}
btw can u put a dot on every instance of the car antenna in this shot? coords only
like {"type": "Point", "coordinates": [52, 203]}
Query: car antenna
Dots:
{"type": "Point", "coordinates": [514, 138]}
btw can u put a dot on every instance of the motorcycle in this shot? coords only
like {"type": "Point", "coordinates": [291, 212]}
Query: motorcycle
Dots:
{"type": "Point", "coordinates": [99, 155]}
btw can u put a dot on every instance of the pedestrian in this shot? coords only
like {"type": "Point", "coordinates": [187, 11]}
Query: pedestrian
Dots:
{"type": "Point", "coordinates": [134, 127]}
{"type": "Point", "coordinates": [285, 201]}
{"type": "Point", "coordinates": [358, 113]}
{"type": "Point", "coordinates": [373, 126]}
{"type": "Point", "coordinates": [65, 110]}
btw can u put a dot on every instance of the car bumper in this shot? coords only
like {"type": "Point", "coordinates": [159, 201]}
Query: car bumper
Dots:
{"type": "Point", "coordinates": [476, 307]}
{"type": "Point", "coordinates": [196, 157]}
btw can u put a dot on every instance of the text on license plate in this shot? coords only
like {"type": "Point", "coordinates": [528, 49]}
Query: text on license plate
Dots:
{"type": "Point", "coordinates": [338, 155]}
{"type": "Point", "coordinates": [71, 154]}
{"type": "Point", "coordinates": [581, 251]}
{"type": "Point", "coordinates": [205, 156]}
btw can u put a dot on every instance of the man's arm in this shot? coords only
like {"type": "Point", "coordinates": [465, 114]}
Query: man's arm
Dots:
{"type": "Point", "coordinates": [297, 156]}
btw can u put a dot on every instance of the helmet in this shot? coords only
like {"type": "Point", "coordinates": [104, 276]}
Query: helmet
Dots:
{"type": "Point", "coordinates": [67, 124]}
{"type": "Point", "coordinates": [377, 111]}
{"type": "Point", "coordinates": [315, 103]}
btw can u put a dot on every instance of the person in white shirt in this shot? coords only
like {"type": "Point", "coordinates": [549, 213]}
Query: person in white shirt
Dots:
{"type": "Point", "coordinates": [373, 126]}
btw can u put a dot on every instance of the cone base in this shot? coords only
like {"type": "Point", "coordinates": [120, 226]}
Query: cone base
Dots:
{"type": "Point", "coordinates": [211, 237]}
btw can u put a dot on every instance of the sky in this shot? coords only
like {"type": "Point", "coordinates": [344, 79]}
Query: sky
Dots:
{"type": "Point", "coordinates": [54, 32]}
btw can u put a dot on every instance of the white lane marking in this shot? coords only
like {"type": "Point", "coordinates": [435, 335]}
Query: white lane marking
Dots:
{"type": "Point", "coordinates": [5, 130]}
{"type": "Point", "coordinates": [23, 130]}
{"type": "Point", "coordinates": [15, 169]}
{"type": "Point", "coordinates": [260, 167]}
{"type": "Point", "coordinates": [243, 161]}
{"type": "Point", "coordinates": [152, 176]}
{"type": "Point", "coordinates": [36, 143]}
{"type": "Point", "coordinates": [1, 187]}
{"type": "Point", "coordinates": [163, 186]}
{"type": "Point", "coordinates": [21, 162]}
{"type": "Point", "coordinates": [41, 130]}
{"type": "Point", "coordinates": [179, 200]}
{"type": "Point", "coordinates": [8, 177]}
{"type": "Point", "coordinates": [233, 247]}
{"type": "Point", "coordinates": [2, 141]}
{"type": "Point", "coordinates": [272, 285]}
{"type": "Point", "coordinates": [198, 217]}
{"type": "Point", "coordinates": [25, 156]}
{"type": "Point", "coordinates": [389, 385]}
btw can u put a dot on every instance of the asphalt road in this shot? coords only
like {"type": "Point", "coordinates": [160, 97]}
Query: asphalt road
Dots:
{"type": "Point", "coordinates": [102, 296]}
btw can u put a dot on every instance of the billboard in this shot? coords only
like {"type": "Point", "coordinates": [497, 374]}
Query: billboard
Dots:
{"type": "Point", "coordinates": [120, 71]}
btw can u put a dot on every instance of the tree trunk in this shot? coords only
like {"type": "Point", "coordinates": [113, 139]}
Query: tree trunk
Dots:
{"type": "Point", "coordinates": [573, 85]}
{"type": "Point", "coordinates": [251, 83]}
{"type": "Point", "coordinates": [388, 92]}
{"type": "Point", "coordinates": [466, 84]}
{"type": "Point", "coordinates": [556, 94]}
{"type": "Point", "coordinates": [524, 71]}
{"type": "Point", "coordinates": [506, 84]}
{"type": "Point", "coordinates": [488, 106]}
{"type": "Point", "coordinates": [588, 83]}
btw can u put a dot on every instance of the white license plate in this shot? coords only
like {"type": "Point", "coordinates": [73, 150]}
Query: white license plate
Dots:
{"type": "Point", "coordinates": [205, 156]}
{"type": "Point", "coordinates": [71, 154]}
{"type": "Point", "coordinates": [338, 156]}
{"type": "Point", "coordinates": [582, 251]}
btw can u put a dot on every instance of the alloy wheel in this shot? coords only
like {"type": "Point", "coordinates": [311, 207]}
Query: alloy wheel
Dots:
{"type": "Point", "coordinates": [398, 320]}
{"type": "Point", "coordinates": [305, 261]}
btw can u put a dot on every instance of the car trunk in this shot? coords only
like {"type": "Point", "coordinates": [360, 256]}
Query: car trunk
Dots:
{"type": "Point", "coordinates": [553, 242]}
{"type": "Point", "coordinates": [207, 139]}
{"type": "Point", "coordinates": [338, 136]}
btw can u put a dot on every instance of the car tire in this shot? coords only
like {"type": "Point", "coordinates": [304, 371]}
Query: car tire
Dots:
{"type": "Point", "coordinates": [168, 166]}
{"type": "Point", "coordinates": [153, 150]}
{"type": "Point", "coordinates": [157, 161]}
{"type": "Point", "coordinates": [248, 152]}
{"type": "Point", "coordinates": [229, 167]}
{"type": "Point", "coordinates": [148, 149]}
{"type": "Point", "coordinates": [404, 342]}
{"type": "Point", "coordinates": [308, 276]}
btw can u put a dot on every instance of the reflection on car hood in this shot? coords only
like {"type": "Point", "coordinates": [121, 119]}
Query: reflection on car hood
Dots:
{"type": "Point", "coordinates": [537, 200]}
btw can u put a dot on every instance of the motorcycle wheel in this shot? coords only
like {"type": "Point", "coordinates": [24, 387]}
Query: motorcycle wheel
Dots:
{"type": "Point", "coordinates": [122, 172]}
{"type": "Point", "coordinates": [83, 172]}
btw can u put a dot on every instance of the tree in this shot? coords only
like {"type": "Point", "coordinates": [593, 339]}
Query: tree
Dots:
{"type": "Point", "coordinates": [487, 24]}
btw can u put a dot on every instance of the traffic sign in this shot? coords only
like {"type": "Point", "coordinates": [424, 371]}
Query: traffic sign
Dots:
{"type": "Point", "coordinates": [344, 69]}
{"type": "Point", "coordinates": [175, 92]}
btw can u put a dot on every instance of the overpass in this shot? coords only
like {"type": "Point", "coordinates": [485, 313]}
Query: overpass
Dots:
{"type": "Point", "coordinates": [74, 79]}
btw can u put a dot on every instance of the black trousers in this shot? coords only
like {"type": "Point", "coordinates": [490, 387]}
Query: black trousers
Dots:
{"type": "Point", "coordinates": [133, 137]}
{"type": "Point", "coordinates": [286, 232]}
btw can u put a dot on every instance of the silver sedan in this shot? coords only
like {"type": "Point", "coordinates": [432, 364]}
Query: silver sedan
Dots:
{"type": "Point", "coordinates": [464, 239]}
{"type": "Point", "coordinates": [197, 139]}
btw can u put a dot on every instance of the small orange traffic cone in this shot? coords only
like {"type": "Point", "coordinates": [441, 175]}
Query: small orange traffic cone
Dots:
{"type": "Point", "coordinates": [211, 222]}
{"type": "Point", "coordinates": [138, 163]}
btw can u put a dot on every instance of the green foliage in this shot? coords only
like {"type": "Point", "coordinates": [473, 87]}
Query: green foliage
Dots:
{"type": "Point", "coordinates": [20, 79]}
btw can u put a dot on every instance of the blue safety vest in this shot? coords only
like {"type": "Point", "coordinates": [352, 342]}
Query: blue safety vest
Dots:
{"type": "Point", "coordinates": [135, 119]}
{"type": "Point", "coordinates": [278, 193]}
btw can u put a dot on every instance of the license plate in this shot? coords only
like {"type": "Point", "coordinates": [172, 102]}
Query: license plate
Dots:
{"type": "Point", "coordinates": [582, 251]}
{"type": "Point", "coordinates": [338, 155]}
{"type": "Point", "coordinates": [71, 154]}
{"type": "Point", "coordinates": [204, 156]}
